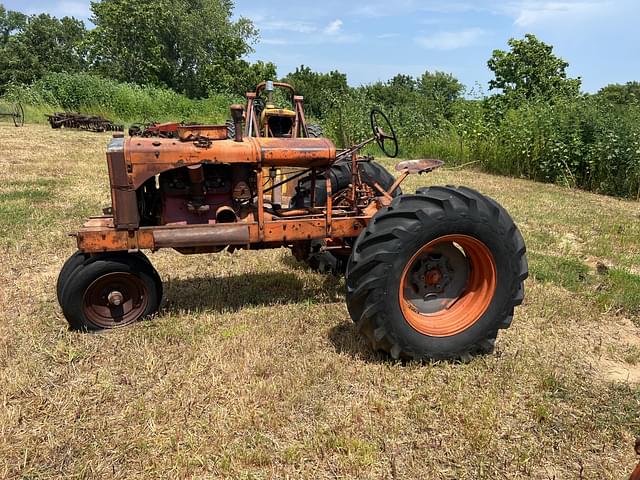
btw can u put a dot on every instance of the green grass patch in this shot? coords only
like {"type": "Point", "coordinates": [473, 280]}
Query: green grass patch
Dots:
{"type": "Point", "coordinates": [620, 290]}
{"type": "Point", "coordinates": [35, 191]}
{"type": "Point", "coordinates": [24, 204]}
{"type": "Point", "coordinates": [615, 289]}
{"type": "Point", "coordinates": [568, 273]}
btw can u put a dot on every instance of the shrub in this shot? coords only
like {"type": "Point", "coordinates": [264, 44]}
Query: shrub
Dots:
{"type": "Point", "coordinates": [124, 102]}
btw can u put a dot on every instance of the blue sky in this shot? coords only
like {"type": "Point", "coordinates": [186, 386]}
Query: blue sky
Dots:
{"type": "Point", "coordinates": [375, 39]}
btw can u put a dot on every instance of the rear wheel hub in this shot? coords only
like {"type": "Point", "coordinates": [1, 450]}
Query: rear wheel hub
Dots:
{"type": "Point", "coordinates": [447, 285]}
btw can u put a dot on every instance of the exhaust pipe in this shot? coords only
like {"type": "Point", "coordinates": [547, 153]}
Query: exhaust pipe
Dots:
{"type": "Point", "coordinates": [205, 236]}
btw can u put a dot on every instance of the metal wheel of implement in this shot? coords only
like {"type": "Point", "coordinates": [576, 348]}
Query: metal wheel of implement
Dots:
{"type": "Point", "coordinates": [18, 115]}
{"type": "Point", "coordinates": [115, 299]}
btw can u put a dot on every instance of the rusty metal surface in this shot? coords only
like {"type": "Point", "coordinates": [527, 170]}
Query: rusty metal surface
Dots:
{"type": "Point", "coordinates": [297, 152]}
{"type": "Point", "coordinates": [419, 166]}
{"type": "Point", "coordinates": [123, 198]}
{"type": "Point", "coordinates": [216, 187]}
{"type": "Point", "coordinates": [260, 87]}
{"type": "Point", "coordinates": [182, 131]}
{"type": "Point", "coordinates": [225, 234]}
{"type": "Point", "coordinates": [147, 157]}
{"type": "Point", "coordinates": [99, 236]}
{"type": "Point", "coordinates": [198, 132]}
{"type": "Point", "coordinates": [255, 125]}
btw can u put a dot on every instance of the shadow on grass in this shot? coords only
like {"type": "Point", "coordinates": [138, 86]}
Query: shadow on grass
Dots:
{"type": "Point", "coordinates": [235, 292]}
{"type": "Point", "coordinates": [346, 339]}
{"type": "Point", "coordinates": [291, 262]}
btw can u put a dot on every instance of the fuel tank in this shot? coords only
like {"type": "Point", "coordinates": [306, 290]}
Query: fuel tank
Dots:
{"type": "Point", "coordinates": [146, 157]}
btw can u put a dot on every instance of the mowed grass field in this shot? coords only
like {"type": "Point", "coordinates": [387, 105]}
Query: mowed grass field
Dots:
{"type": "Point", "coordinates": [253, 369]}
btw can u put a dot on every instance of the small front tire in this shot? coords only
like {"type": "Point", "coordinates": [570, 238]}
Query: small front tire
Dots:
{"type": "Point", "coordinates": [113, 290]}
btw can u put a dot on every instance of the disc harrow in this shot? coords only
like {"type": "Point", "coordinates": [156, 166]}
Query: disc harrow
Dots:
{"type": "Point", "coordinates": [91, 123]}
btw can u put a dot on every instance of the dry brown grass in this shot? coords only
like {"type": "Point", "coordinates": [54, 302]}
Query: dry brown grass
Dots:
{"type": "Point", "coordinates": [253, 369]}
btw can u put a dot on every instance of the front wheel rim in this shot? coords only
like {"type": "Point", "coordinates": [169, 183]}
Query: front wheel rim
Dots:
{"type": "Point", "coordinates": [115, 299]}
{"type": "Point", "coordinates": [447, 285]}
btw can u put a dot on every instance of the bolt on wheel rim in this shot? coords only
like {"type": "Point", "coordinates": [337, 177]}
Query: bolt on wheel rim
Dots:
{"type": "Point", "coordinates": [115, 299]}
{"type": "Point", "coordinates": [447, 285]}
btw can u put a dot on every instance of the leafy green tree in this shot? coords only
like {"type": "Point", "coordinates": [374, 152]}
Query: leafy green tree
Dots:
{"type": "Point", "coordinates": [39, 44]}
{"type": "Point", "coordinates": [243, 76]}
{"type": "Point", "coordinates": [530, 70]}
{"type": "Point", "coordinates": [317, 88]}
{"type": "Point", "coordinates": [191, 46]}
{"type": "Point", "coordinates": [627, 94]}
{"type": "Point", "coordinates": [397, 93]}
{"type": "Point", "coordinates": [10, 22]}
{"type": "Point", "coordinates": [403, 82]}
{"type": "Point", "coordinates": [441, 90]}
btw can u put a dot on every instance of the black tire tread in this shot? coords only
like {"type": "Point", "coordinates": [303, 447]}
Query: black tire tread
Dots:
{"type": "Point", "coordinates": [384, 238]}
{"type": "Point", "coordinates": [79, 261]}
{"type": "Point", "coordinates": [314, 130]}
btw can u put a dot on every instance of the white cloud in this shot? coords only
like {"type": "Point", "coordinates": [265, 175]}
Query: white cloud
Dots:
{"type": "Point", "coordinates": [304, 32]}
{"type": "Point", "coordinates": [384, 36]}
{"type": "Point", "coordinates": [450, 40]}
{"type": "Point", "coordinates": [382, 8]}
{"type": "Point", "coordinates": [287, 26]}
{"type": "Point", "coordinates": [533, 13]}
{"type": "Point", "coordinates": [334, 27]}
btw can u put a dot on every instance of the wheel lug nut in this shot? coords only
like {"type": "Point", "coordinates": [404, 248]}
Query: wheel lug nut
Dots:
{"type": "Point", "coordinates": [115, 298]}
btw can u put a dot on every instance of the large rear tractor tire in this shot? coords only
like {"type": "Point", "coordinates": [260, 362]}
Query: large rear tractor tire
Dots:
{"type": "Point", "coordinates": [340, 175]}
{"type": "Point", "coordinates": [435, 275]}
{"type": "Point", "coordinates": [108, 290]}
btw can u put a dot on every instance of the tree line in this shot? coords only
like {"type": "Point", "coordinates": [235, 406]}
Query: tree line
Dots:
{"type": "Point", "coordinates": [190, 46]}
{"type": "Point", "coordinates": [195, 48]}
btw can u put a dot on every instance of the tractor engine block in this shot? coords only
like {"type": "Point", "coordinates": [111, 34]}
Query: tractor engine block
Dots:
{"type": "Point", "coordinates": [204, 194]}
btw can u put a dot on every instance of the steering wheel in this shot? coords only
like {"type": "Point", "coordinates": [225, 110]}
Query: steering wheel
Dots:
{"type": "Point", "coordinates": [381, 136]}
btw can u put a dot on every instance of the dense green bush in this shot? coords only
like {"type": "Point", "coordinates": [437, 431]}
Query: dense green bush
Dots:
{"type": "Point", "coordinates": [585, 142]}
{"type": "Point", "coordinates": [123, 102]}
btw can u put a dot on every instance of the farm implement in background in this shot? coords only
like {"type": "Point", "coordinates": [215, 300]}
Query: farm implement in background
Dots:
{"type": "Point", "coordinates": [79, 121]}
{"type": "Point", "coordinates": [17, 115]}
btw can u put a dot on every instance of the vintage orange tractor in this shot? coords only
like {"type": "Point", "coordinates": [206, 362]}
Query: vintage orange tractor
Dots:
{"type": "Point", "coordinates": [430, 275]}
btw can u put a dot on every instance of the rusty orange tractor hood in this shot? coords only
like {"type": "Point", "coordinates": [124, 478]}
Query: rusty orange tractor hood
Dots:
{"type": "Point", "coordinates": [146, 157]}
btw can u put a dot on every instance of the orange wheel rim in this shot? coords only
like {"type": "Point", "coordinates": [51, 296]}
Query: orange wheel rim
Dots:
{"type": "Point", "coordinates": [447, 285]}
